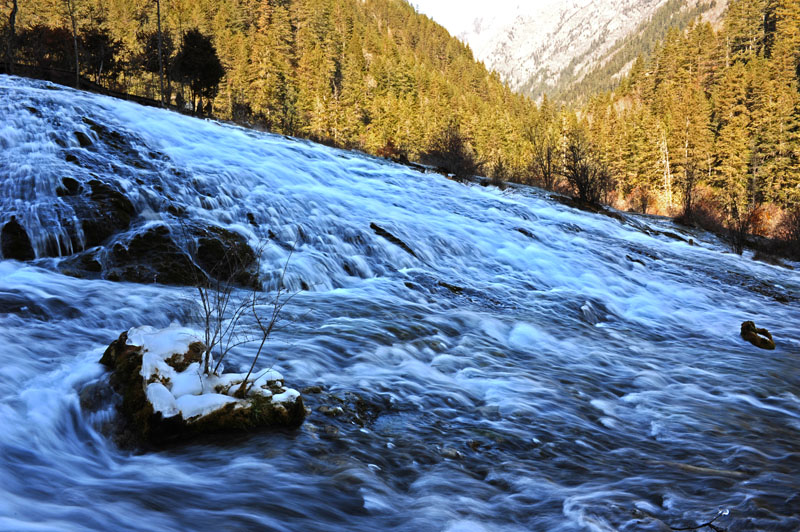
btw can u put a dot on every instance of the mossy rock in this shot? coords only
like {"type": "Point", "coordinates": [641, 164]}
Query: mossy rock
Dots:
{"type": "Point", "coordinates": [256, 412]}
{"type": "Point", "coordinates": [758, 337]}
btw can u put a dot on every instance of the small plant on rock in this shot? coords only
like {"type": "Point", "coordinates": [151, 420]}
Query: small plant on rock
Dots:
{"type": "Point", "coordinates": [265, 321]}
{"type": "Point", "coordinates": [234, 311]}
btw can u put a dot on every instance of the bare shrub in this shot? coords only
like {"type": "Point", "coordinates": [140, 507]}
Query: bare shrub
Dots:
{"type": "Point", "coordinates": [739, 225]}
{"type": "Point", "coordinates": [233, 309]}
{"type": "Point", "coordinates": [765, 220]}
{"type": "Point", "coordinates": [545, 161]}
{"type": "Point", "coordinates": [789, 233]}
{"type": "Point", "coordinates": [452, 153]}
{"type": "Point", "coordinates": [265, 321]}
{"type": "Point", "coordinates": [586, 174]}
{"type": "Point", "coordinates": [499, 175]}
{"type": "Point", "coordinates": [704, 212]}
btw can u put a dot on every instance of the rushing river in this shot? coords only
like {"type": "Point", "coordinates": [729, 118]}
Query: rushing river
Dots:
{"type": "Point", "coordinates": [514, 365]}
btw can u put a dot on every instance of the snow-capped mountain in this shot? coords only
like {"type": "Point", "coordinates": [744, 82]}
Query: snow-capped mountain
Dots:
{"type": "Point", "coordinates": [535, 45]}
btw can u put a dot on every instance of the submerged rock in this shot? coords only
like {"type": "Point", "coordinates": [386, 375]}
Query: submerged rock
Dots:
{"type": "Point", "coordinates": [166, 396]}
{"type": "Point", "coordinates": [758, 337]}
{"type": "Point", "coordinates": [152, 256]}
{"type": "Point", "coordinates": [156, 253]}
{"type": "Point", "coordinates": [380, 231]}
{"type": "Point", "coordinates": [15, 242]}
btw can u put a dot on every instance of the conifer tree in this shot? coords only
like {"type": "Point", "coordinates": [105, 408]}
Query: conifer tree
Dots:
{"type": "Point", "coordinates": [198, 65]}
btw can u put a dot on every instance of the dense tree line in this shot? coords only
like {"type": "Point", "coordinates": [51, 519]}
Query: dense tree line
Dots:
{"type": "Point", "coordinates": [706, 128]}
{"type": "Point", "coordinates": [711, 116]}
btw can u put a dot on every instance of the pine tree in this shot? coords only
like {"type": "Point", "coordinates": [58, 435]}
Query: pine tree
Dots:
{"type": "Point", "coordinates": [733, 148]}
{"type": "Point", "coordinates": [785, 139]}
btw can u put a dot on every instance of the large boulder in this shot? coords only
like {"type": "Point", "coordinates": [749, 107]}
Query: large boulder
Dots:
{"type": "Point", "coordinates": [160, 254]}
{"type": "Point", "coordinates": [167, 397]}
{"type": "Point", "coordinates": [152, 256]}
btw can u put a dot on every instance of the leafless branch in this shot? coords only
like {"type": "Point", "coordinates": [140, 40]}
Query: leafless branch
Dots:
{"type": "Point", "coordinates": [708, 524]}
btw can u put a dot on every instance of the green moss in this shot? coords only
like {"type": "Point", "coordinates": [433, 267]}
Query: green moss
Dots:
{"type": "Point", "coordinates": [758, 337]}
{"type": "Point", "coordinates": [181, 361]}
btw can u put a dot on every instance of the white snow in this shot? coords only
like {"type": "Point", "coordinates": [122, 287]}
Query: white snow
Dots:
{"type": "Point", "coordinates": [162, 399]}
{"type": "Point", "coordinates": [200, 405]}
{"type": "Point", "coordinates": [190, 392]}
{"type": "Point", "coordinates": [267, 376]}
{"type": "Point", "coordinates": [188, 381]}
{"type": "Point", "coordinates": [172, 340]}
{"type": "Point", "coordinates": [288, 396]}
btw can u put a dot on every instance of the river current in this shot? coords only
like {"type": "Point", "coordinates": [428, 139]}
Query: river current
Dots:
{"type": "Point", "coordinates": [514, 365]}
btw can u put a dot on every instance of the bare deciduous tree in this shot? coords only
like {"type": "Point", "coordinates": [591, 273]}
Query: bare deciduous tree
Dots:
{"type": "Point", "coordinates": [266, 324]}
{"type": "Point", "coordinates": [11, 37]}
{"type": "Point", "coordinates": [545, 156]}
{"type": "Point", "coordinates": [232, 316]}
{"type": "Point", "coordinates": [73, 19]}
{"type": "Point", "coordinates": [588, 176]}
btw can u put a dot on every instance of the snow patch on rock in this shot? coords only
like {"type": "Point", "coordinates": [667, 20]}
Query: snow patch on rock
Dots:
{"type": "Point", "coordinates": [189, 392]}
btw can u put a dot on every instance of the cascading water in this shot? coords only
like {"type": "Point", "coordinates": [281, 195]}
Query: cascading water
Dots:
{"type": "Point", "coordinates": [489, 360]}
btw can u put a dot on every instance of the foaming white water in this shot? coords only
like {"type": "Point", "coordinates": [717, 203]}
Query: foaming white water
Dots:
{"type": "Point", "coordinates": [520, 366]}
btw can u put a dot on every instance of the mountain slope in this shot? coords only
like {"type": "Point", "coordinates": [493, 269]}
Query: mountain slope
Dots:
{"type": "Point", "coordinates": [551, 48]}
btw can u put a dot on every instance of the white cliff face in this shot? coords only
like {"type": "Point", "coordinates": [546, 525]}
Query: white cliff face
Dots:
{"type": "Point", "coordinates": [537, 43]}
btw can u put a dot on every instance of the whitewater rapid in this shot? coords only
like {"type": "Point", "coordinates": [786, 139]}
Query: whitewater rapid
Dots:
{"type": "Point", "coordinates": [520, 366]}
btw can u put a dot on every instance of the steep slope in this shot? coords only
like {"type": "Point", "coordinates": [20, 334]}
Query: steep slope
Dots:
{"type": "Point", "coordinates": [483, 359]}
{"type": "Point", "coordinates": [549, 48]}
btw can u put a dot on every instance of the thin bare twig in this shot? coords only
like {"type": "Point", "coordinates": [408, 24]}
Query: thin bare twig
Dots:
{"type": "Point", "coordinates": [709, 524]}
{"type": "Point", "coordinates": [266, 327]}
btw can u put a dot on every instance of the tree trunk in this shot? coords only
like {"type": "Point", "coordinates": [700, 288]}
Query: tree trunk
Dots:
{"type": "Point", "coordinates": [667, 184]}
{"type": "Point", "coordinates": [160, 59]}
{"type": "Point", "coordinates": [71, 11]}
{"type": "Point", "coordinates": [12, 18]}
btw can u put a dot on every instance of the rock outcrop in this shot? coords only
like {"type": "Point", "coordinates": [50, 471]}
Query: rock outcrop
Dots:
{"type": "Point", "coordinates": [151, 256]}
{"type": "Point", "coordinates": [166, 397]}
{"type": "Point", "coordinates": [156, 254]}
{"type": "Point", "coordinates": [15, 242]}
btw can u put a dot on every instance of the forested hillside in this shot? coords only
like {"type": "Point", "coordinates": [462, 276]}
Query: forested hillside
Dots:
{"type": "Point", "coordinates": [369, 74]}
{"type": "Point", "coordinates": [711, 111]}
